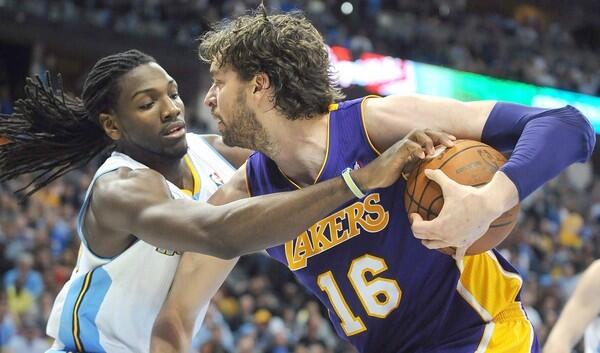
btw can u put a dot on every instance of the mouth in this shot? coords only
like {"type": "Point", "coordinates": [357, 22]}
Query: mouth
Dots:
{"type": "Point", "coordinates": [174, 130]}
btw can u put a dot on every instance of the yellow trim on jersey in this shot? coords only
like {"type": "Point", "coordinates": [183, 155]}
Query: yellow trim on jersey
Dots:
{"type": "Point", "coordinates": [195, 177]}
{"type": "Point", "coordinates": [364, 124]}
{"type": "Point", "coordinates": [514, 334]}
{"type": "Point", "coordinates": [486, 286]}
{"type": "Point", "coordinates": [82, 292]}
{"type": "Point", "coordinates": [333, 106]}
{"type": "Point", "coordinates": [246, 180]}
{"type": "Point", "coordinates": [322, 165]}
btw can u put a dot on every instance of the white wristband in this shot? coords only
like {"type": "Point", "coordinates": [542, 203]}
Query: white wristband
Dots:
{"type": "Point", "coordinates": [351, 184]}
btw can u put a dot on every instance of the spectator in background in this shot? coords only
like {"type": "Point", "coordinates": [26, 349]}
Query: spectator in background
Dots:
{"type": "Point", "coordinates": [29, 340]}
{"type": "Point", "coordinates": [25, 276]}
{"type": "Point", "coordinates": [7, 324]}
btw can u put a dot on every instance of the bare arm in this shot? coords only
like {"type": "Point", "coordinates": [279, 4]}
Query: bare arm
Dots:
{"type": "Point", "coordinates": [579, 311]}
{"type": "Point", "coordinates": [197, 279]}
{"type": "Point", "coordinates": [389, 119]}
{"type": "Point", "coordinates": [138, 202]}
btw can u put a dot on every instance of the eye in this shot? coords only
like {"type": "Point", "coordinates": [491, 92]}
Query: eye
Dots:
{"type": "Point", "coordinates": [175, 95]}
{"type": "Point", "coordinates": [147, 106]}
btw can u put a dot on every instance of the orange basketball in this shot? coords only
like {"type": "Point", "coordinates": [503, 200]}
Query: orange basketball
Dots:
{"type": "Point", "coordinates": [469, 163]}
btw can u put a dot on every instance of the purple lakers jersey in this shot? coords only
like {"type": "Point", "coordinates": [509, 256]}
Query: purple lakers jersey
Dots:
{"type": "Point", "coordinates": [384, 291]}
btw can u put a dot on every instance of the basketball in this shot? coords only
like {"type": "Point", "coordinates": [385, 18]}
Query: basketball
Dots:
{"type": "Point", "coordinates": [469, 163]}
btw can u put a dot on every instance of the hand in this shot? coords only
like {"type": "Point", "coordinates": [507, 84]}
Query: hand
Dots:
{"type": "Point", "coordinates": [430, 139]}
{"type": "Point", "coordinates": [466, 215]}
{"type": "Point", "coordinates": [387, 168]}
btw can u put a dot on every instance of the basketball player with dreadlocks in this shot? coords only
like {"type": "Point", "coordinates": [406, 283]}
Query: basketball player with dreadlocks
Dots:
{"type": "Point", "coordinates": [365, 261]}
{"type": "Point", "coordinates": [142, 207]}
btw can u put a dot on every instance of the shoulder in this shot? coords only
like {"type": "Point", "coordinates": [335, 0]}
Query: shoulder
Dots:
{"type": "Point", "coordinates": [124, 190]}
{"type": "Point", "coordinates": [234, 155]}
{"type": "Point", "coordinates": [129, 181]}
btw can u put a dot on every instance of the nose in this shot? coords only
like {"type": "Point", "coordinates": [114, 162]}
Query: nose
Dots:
{"type": "Point", "coordinates": [171, 110]}
{"type": "Point", "coordinates": [210, 100]}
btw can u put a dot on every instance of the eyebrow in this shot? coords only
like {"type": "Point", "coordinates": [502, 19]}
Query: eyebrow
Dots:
{"type": "Point", "coordinates": [171, 82]}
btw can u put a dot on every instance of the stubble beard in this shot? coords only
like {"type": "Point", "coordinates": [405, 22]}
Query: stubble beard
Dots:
{"type": "Point", "coordinates": [245, 130]}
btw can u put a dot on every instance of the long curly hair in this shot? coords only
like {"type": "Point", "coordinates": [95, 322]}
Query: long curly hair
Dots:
{"type": "Point", "coordinates": [287, 48]}
{"type": "Point", "coordinates": [51, 133]}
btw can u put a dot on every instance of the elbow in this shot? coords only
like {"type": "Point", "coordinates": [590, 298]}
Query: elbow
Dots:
{"type": "Point", "coordinates": [587, 133]}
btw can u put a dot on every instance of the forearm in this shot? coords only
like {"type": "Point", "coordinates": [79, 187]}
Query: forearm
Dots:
{"type": "Point", "coordinates": [580, 310]}
{"type": "Point", "coordinates": [543, 142]}
{"type": "Point", "coordinates": [257, 223]}
{"type": "Point", "coordinates": [169, 334]}
{"type": "Point", "coordinates": [239, 227]}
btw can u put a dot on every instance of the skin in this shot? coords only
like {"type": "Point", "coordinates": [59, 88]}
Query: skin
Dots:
{"type": "Point", "coordinates": [579, 311]}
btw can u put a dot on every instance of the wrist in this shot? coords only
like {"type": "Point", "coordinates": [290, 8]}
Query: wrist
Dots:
{"type": "Point", "coordinates": [500, 194]}
{"type": "Point", "coordinates": [360, 179]}
{"type": "Point", "coordinates": [351, 183]}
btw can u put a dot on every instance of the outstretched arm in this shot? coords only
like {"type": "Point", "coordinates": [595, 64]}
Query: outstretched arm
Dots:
{"type": "Point", "coordinates": [579, 311]}
{"type": "Point", "coordinates": [138, 202]}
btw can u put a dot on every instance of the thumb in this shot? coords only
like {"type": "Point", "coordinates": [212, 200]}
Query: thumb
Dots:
{"type": "Point", "coordinates": [415, 217]}
{"type": "Point", "coordinates": [438, 176]}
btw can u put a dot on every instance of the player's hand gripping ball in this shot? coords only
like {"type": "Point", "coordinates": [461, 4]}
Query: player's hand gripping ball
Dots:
{"type": "Point", "coordinates": [469, 163]}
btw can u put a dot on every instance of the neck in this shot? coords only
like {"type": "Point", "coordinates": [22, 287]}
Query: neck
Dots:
{"type": "Point", "coordinates": [299, 147]}
{"type": "Point", "coordinates": [172, 168]}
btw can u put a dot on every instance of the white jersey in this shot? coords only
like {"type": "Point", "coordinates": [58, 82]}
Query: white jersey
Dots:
{"type": "Point", "coordinates": [591, 338]}
{"type": "Point", "coordinates": [110, 304]}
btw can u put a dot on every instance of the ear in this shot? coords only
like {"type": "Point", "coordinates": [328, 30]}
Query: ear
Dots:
{"type": "Point", "coordinates": [111, 126]}
{"type": "Point", "coordinates": [261, 84]}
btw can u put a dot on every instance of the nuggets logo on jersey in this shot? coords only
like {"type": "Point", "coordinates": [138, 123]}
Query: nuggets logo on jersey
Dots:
{"type": "Point", "coordinates": [167, 252]}
{"type": "Point", "coordinates": [216, 179]}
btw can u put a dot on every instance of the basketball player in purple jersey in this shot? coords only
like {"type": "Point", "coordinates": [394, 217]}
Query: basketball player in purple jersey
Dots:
{"type": "Point", "coordinates": [373, 271]}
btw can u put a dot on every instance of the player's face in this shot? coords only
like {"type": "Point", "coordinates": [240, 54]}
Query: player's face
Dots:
{"type": "Point", "coordinates": [151, 114]}
{"type": "Point", "coordinates": [237, 122]}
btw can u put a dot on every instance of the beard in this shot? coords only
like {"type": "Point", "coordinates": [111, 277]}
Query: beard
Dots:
{"type": "Point", "coordinates": [244, 130]}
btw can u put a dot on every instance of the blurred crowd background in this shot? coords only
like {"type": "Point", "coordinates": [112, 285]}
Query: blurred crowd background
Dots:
{"type": "Point", "coordinates": [261, 308]}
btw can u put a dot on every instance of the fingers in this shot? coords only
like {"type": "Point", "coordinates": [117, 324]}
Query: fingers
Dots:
{"type": "Point", "coordinates": [441, 138]}
{"type": "Point", "coordinates": [428, 139]}
{"type": "Point", "coordinates": [423, 229]}
{"type": "Point", "coordinates": [439, 177]}
{"type": "Point", "coordinates": [435, 244]}
{"type": "Point", "coordinates": [412, 149]}
{"type": "Point", "coordinates": [424, 141]}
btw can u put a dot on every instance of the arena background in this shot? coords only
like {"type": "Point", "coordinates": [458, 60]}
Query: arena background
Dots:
{"type": "Point", "coordinates": [543, 43]}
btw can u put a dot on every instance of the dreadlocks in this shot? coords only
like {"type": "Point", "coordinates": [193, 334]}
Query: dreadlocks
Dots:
{"type": "Point", "coordinates": [51, 133]}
